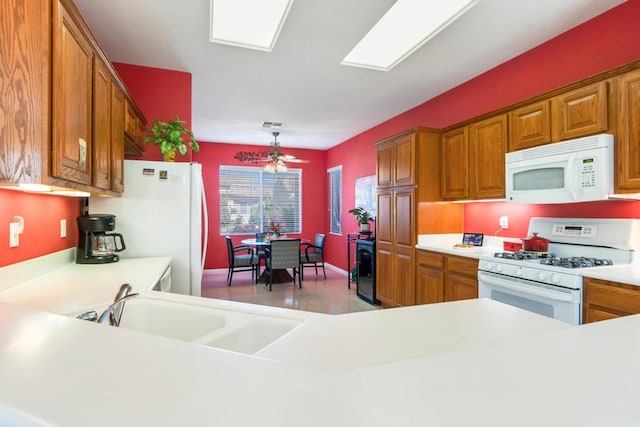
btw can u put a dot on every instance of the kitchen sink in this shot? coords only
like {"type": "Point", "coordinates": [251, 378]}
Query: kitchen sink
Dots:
{"type": "Point", "coordinates": [251, 335]}
{"type": "Point", "coordinates": [171, 320]}
{"type": "Point", "coordinates": [213, 327]}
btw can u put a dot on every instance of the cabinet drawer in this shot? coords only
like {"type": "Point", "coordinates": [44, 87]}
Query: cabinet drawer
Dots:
{"type": "Point", "coordinates": [461, 265]}
{"type": "Point", "coordinates": [431, 259]}
{"type": "Point", "coordinates": [612, 297]}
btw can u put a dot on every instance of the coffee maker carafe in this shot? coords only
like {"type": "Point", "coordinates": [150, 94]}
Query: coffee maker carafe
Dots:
{"type": "Point", "coordinates": [95, 244]}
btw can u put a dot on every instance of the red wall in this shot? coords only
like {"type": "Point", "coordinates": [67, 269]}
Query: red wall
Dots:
{"type": "Point", "coordinates": [606, 41]}
{"type": "Point", "coordinates": [314, 193]}
{"type": "Point", "coordinates": [42, 215]}
{"type": "Point", "coordinates": [358, 159]}
{"type": "Point", "coordinates": [602, 43]}
{"type": "Point", "coordinates": [161, 95]}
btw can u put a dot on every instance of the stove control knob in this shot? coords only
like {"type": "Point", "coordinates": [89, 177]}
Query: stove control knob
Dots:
{"type": "Point", "coordinates": [498, 268]}
{"type": "Point", "coordinates": [542, 275]}
{"type": "Point", "coordinates": [555, 278]}
{"type": "Point", "coordinates": [489, 266]}
{"type": "Point", "coordinates": [519, 271]}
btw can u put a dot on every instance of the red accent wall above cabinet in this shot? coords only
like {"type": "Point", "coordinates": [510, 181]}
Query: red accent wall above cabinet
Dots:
{"type": "Point", "coordinates": [160, 94]}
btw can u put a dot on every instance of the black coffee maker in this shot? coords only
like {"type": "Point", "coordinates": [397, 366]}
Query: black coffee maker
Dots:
{"type": "Point", "coordinates": [95, 245]}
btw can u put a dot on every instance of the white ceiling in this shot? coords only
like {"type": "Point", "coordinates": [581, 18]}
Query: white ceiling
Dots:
{"type": "Point", "coordinates": [301, 82]}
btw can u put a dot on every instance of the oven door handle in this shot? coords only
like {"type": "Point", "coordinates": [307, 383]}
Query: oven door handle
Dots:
{"type": "Point", "coordinates": [530, 288]}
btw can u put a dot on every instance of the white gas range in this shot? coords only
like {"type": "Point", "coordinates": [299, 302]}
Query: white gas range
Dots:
{"type": "Point", "coordinates": [550, 283]}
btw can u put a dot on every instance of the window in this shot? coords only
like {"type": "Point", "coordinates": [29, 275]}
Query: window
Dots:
{"type": "Point", "coordinates": [335, 200]}
{"type": "Point", "coordinates": [251, 199]}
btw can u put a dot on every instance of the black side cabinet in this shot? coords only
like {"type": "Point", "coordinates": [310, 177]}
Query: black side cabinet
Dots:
{"type": "Point", "coordinates": [366, 278]}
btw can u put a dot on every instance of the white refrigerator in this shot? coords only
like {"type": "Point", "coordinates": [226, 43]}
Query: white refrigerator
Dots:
{"type": "Point", "coordinates": [162, 212]}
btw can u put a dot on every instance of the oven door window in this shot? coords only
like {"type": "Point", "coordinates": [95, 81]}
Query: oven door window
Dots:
{"type": "Point", "coordinates": [548, 178]}
{"type": "Point", "coordinates": [557, 303]}
{"type": "Point", "coordinates": [540, 307]}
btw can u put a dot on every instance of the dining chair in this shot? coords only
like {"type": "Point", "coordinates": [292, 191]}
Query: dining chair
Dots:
{"type": "Point", "coordinates": [281, 255]}
{"type": "Point", "coordinates": [241, 258]}
{"type": "Point", "coordinates": [313, 255]}
{"type": "Point", "coordinates": [260, 237]}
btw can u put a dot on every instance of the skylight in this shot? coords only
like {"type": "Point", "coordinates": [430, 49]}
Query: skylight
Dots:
{"type": "Point", "coordinates": [406, 26]}
{"type": "Point", "coordinates": [253, 24]}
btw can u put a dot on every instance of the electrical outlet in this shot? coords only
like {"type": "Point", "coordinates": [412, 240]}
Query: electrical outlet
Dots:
{"type": "Point", "coordinates": [504, 222]}
{"type": "Point", "coordinates": [63, 228]}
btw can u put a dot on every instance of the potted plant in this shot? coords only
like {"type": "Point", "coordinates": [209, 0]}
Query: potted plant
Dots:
{"type": "Point", "coordinates": [168, 135]}
{"type": "Point", "coordinates": [363, 216]}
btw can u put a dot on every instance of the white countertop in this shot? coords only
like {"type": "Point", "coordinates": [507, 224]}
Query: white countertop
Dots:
{"type": "Point", "coordinates": [73, 287]}
{"type": "Point", "coordinates": [475, 362]}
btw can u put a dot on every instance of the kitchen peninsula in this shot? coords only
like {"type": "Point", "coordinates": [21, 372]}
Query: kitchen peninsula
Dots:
{"type": "Point", "coordinates": [475, 362]}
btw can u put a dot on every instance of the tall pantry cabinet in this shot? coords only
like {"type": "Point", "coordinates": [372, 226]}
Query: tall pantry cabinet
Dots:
{"type": "Point", "coordinates": [408, 187]}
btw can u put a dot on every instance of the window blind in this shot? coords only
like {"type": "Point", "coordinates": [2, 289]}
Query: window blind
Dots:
{"type": "Point", "coordinates": [252, 199]}
{"type": "Point", "coordinates": [335, 200]}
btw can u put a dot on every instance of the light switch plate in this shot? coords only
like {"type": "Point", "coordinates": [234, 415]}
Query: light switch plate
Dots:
{"type": "Point", "coordinates": [14, 235]}
{"type": "Point", "coordinates": [63, 228]}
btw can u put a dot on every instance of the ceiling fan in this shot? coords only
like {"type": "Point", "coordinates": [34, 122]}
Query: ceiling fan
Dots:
{"type": "Point", "coordinates": [275, 159]}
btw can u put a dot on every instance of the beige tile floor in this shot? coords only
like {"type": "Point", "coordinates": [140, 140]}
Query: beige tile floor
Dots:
{"type": "Point", "coordinates": [329, 296]}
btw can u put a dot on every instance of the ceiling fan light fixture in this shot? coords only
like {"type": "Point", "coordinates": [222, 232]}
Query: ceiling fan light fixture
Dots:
{"type": "Point", "coordinates": [406, 26]}
{"type": "Point", "coordinates": [253, 24]}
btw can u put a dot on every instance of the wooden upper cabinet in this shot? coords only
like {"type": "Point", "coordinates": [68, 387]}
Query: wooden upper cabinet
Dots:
{"type": "Point", "coordinates": [384, 164]}
{"type": "Point", "coordinates": [580, 112]}
{"type": "Point", "coordinates": [117, 138]}
{"type": "Point", "coordinates": [25, 100]}
{"type": "Point", "coordinates": [385, 218]}
{"type": "Point", "coordinates": [396, 161]}
{"type": "Point", "coordinates": [405, 160]}
{"type": "Point", "coordinates": [101, 126]}
{"type": "Point", "coordinates": [72, 110]}
{"type": "Point", "coordinates": [487, 149]}
{"type": "Point", "coordinates": [530, 126]}
{"type": "Point", "coordinates": [130, 122]}
{"type": "Point", "coordinates": [627, 144]}
{"type": "Point", "coordinates": [454, 155]}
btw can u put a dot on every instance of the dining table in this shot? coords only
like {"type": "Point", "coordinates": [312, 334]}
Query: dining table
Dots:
{"type": "Point", "coordinates": [280, 275]}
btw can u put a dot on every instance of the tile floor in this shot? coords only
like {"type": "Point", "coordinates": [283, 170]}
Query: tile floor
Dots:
{"type": "Point", "coordinates": [329, 296]}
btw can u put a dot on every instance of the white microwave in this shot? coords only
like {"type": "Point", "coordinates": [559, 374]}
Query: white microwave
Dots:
{"type": "Point", "coordinates": [578, 170]}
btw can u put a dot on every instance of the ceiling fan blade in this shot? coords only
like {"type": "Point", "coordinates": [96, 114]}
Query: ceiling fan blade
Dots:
{"type": "Point", "coordinates": [294, 160]}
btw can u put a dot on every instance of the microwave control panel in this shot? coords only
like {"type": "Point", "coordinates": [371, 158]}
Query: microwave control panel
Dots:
{"type": "Point", "coordinates": [574, 230]}
{"type": "Point", "coordinates": [588, 172]}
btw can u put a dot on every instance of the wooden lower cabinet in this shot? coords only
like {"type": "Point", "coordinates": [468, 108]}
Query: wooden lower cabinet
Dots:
{"type": "Point", "coordinates": [462, 278]}
{"type": "Point", "coordinates": [429, 277]}
{"type": "Point", "coordinates": [441, 277]}
{"type": "Point", "coordinates": [605, 300]}
{"type": "Point", "coordinates": [384, 268]}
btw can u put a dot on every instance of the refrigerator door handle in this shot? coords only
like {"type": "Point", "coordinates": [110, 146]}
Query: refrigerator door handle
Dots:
{"type": "Point", "coordinates": [205, 214]}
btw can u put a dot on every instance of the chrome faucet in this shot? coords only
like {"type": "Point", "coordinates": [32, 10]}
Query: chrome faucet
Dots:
{"type": "Point", "coordinates": [112, 314]}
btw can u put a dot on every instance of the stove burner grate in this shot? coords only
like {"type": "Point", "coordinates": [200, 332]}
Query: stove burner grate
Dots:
{"type": "Point", "coordinates": [576, 262]}
{"type": "Point", "coordinates": [524, 255]}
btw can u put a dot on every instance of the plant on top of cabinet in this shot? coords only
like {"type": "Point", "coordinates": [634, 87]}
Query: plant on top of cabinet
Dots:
{"type": "Point", "coordinates": [168, 135]}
